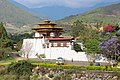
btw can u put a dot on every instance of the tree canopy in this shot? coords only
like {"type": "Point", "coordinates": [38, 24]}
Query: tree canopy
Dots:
{"type": "Point", "coordinates": [6, 44]}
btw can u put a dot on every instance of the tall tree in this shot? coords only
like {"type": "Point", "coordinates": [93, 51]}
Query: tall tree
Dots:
{"type": "Point", "coordinates": [91, 46]}
{"type": "Point", "coordinates": [5, 43]}
{"type": "Point", "coordinates": [77, 28]}
{"type": "Point", "coordinates": [110, 47]}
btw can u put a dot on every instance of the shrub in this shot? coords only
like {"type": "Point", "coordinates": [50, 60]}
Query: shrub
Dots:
{"type": "Point", "coordinates": [20, 68]}
{"type": "Point", "coordinates": [57, 77]}
{"type": "Point", "coordinates": [77, 47]}
{"type": "Point", "coordinates": [35, 77]}
{"type": "Point", "coordinates": [68, 77]}
{"type": "Point", "coordinates": [8, 77]}
{"type": "Point", "coordinates": [119, 58]}
{"type": "Point", "coordinates": [51, 75]}
{"type": "Point", "coordinates": [91, 63]}
{"type": "Point", "coordinates": [73, 67]}
{"type": "Point", "coordinates": [2, 71]}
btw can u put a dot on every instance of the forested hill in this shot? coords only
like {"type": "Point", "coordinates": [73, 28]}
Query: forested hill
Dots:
{"type": "Point", "coordinates": [107, 14]}
{"type": "Point", "coordinates": [14, 16]}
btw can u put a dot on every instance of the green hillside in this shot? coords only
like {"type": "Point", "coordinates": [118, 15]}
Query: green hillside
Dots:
{"type": "Point", "coordinates": [15, 17]}
{"type": "Point", "coordinates": [107, 14]}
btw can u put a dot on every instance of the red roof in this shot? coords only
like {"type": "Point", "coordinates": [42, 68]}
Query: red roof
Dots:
{"type": "Point", "coordinates": [60, 39]}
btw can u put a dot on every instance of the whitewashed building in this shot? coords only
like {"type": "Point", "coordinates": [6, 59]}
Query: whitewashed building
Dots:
{"type": "Point", "coordinates": [48, 41]}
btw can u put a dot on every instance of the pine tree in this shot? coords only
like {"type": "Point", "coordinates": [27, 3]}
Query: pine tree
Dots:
{"type": "Point", "coordinates": [5, 43]}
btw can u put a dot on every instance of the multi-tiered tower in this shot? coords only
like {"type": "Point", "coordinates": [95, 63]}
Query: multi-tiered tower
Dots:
{"type": "Point", "coordinates": [47, 30]}
{"type": "Point", "coordinates": [52, 33]}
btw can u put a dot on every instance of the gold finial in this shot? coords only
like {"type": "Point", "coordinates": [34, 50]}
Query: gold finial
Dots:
{"type": "Point", "coordinates": [47, 21]}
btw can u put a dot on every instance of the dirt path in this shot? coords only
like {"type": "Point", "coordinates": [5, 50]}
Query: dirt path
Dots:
{"type": "Point", "coordinates": [16, 56]}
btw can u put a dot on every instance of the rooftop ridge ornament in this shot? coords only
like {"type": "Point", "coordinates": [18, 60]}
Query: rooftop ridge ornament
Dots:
{"type": "Point", "coordinates": [47, 21]}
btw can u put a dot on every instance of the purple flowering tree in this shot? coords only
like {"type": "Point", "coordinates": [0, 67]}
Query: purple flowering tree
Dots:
{"type": "Point", "coordinates": [110, 47]}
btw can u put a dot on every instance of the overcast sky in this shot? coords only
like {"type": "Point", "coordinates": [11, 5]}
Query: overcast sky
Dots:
{"type": "Point", "coordinates": [65, 3]}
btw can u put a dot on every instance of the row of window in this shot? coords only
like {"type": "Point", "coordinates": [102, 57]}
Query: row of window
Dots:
{"type": "Point", "coordinates": [58, 45]}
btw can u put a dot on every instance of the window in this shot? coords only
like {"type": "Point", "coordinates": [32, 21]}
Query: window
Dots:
{"type": "Point", "coordinates": [67, 44]}
{"type": "Point", "coordinates": [55, 44]}
{"type": "Point", "coordinates": [47, 45]}
{"type": "Point", "coordinates": [52, 34]}
{"type": "Point", "coordinates": [62, 44]}
{"type": "Point", "coordinates": [44, 45]}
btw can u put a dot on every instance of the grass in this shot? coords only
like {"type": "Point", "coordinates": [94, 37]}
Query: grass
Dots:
{"type": "Point", "coordinates": [37, 62]}
{"type": "Point", "coordinates": [7, 61]}
{"type": "Point", "coordinates": [1, 77]}
{"type": "Point", "coordinates": [118, 63]}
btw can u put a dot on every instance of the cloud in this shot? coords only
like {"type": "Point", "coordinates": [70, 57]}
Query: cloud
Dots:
{"type": "Point", "coordinates": [66, 3]}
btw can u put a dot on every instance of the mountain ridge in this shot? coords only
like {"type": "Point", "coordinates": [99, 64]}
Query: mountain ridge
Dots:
{"type": "Point", "coordinates": [106, 14]}
{"type": "Point", "coordinates": [57, 12]}
{"type": "Point", "coordinates": [12, 15]}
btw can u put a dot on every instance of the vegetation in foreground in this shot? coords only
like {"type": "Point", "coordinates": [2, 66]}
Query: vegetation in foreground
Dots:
{"type": "Point", "coordinates": [24, 70]}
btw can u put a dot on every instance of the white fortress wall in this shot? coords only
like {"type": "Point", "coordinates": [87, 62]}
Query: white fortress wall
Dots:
{"type": "Point", "coordinates": [35, 46]}
{"type": "Point", "coordinates": [65, 53]}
